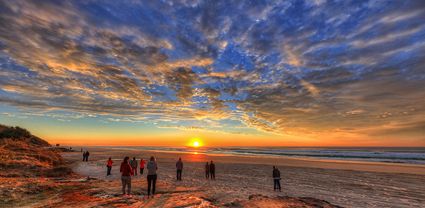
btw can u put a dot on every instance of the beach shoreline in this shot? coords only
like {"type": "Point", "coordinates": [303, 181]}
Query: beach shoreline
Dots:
{"type": "Point", "coordinates": [348, 184]}
{"type": "Point", "coordinates": [373, 166]}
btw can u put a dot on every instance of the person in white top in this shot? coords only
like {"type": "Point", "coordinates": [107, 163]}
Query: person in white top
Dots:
{"type": "Point", "coordinates": [152, 168]}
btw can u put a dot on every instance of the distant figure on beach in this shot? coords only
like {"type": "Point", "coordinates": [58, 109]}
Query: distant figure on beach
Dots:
{"type": "Point", "coordinates": [126, 171]}
{"type": "Point", "coordinates": [109, 166]}
{"type": "Point", "coordinates": [133, 164]}
{"type": "Point", "coordinates": [152, 168]}
{"type": "Point", "coordinates": [87, 155]}
{"type": "Point", "coordinates": [212, 170]}
{"type": "Point", "coordinates": [142, 165]}
{"type": "Point", "coordinates": [179, 167]}
{"type": "Point", "coordinates": [276, 179]}
{"type": "Point", "coordinates": [207, 171]}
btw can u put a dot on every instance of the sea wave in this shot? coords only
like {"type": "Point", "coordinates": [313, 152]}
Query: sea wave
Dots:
{"type": "Point", "coordinates": [381, 154]}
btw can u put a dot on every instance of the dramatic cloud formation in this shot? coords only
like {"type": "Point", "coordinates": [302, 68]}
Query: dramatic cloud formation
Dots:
{"type": "Point", "coordinates": [310, 69]}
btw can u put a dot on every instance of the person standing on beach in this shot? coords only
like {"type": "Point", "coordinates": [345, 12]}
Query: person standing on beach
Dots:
{"type": "Point", "coordinates": [142, 165]}
{"type": "Point", "coordinates": [84, 156]}
{"type": "Point", "coordinates": [133, 164]}
{"type": "Point", "coordinates": [126, 171]}
{"type": "Point", "coordinates": [212, 170]}
{"type": "Point", "coordinates": [152, 168]}
{"type": "Point", "coordinates": [109, 167]}
{"type": "Point", "coordinates": [87, 155]}
{"type": "Point", "coordinates": [207, 171]}
{"type": "Point", "coordinates": [179, 167]}
{"type": "Point", "coordinates": [276, 179]}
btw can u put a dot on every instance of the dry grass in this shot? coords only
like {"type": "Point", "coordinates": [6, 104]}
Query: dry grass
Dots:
{"type": "Point", "coordinates": [18, 158]}
{"type": "Point", "coordinates": [27, 164]}
{"type": "Point", "coordinates": [25, 155]}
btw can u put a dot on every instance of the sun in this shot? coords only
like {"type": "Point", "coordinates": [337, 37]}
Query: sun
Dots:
{"type": "Point", "coordinates": [195, 142]}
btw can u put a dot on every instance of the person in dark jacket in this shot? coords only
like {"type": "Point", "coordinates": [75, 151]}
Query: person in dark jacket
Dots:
{"type": "Point", "coordinates": [276, 179]}
{"type": "Point", "coordinates": [109, 166]}
{"type": "Point", "coordinates": [212, 170]}
{"type": "Point", "coordinates": [84, 156]}
{"type": "Point", "coordinates": [207, 171]}
{"type": "Point", "coordinates": [87, 155]}
{"type": "Point", "coordinates": [179, 167]}
{"type": "Point", "coordinates": [126, 173]}
{"type": "Point", "coordinates": [152, 167]}
{"type": "Point", "coordinates": [133, 164]}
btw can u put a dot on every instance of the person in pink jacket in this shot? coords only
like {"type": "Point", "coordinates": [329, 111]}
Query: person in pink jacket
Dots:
{"type": "Point", "coordinates": [142, 166]}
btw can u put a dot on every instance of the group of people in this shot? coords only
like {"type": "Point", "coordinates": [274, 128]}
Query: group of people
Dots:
{"type": "Point", "coordinates": [129, 167]}
{"type": "Point", "coordinates": [210, 170]}
{"type": "Point", "coordinates": [135, 164]}
{"type": "Point", "coordinates": [86, 155]}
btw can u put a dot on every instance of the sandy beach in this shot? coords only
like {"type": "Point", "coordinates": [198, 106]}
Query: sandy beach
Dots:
{"type": "Point", "coordinates": [342, 183]}
{"type": "Point", "coordinates": [35, 174]}
{"type": "Point", "coordinates": [299, 103]}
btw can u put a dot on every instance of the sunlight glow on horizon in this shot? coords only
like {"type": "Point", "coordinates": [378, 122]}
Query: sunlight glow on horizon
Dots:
{"type": "Point", "coordinates": [195, 143]}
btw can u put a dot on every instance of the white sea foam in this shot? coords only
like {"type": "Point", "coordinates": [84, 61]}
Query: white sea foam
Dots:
{"type": "Point", "coordinates": [377, 154]}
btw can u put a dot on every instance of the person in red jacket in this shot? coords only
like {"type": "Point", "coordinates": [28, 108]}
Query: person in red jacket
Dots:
{"type": "Point", "coordinates": [142, 166]}
{"type": "Point", "coordinates": [126, 173]}
{"type": "Point", "coordinates": [109, 166]}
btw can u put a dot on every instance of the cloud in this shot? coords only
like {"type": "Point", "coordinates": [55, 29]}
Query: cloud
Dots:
{"type": "Point", "coordinates": [284, 67]}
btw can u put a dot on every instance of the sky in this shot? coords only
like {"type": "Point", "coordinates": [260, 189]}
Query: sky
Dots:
{"type": "Point", "coordinates": [231, 73]}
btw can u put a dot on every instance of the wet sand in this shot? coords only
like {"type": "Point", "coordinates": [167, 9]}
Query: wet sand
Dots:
{"type": "Point", "coordinates": [348, 184]}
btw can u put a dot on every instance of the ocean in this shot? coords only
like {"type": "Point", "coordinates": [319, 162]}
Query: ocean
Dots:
{"type": "Point", "coordinates": [409, 155]}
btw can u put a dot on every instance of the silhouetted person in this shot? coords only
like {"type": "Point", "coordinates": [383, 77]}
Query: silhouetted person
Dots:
{"type": "Point", "coordinates": [109, 166]}
{"type": "Point", "coordinates": [142, 166]}
{"type": "Point", "coordinates": [84, 156]}
{"type": "Point", "coordinates": [212, 170]}
{"type": "Point", "coordinates": [133, 164]}
{"type": "Point", "coordinates": [207, 171]}
{"type": "Point", "coordinates": [152, 168]}
{"type": "Point", "coordinates": [276, 179]}
{"type": "Point", "coordinates": [126, 172]}
{"type": "Point", "coordinates": [87, 155]}
{"type": "Point", "coordinates": [179, 167]}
